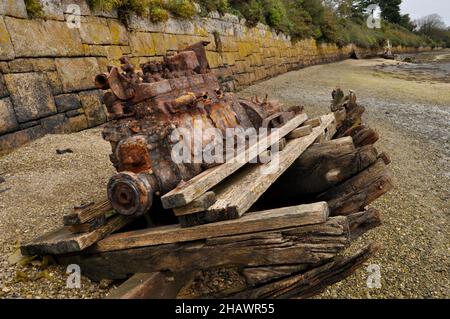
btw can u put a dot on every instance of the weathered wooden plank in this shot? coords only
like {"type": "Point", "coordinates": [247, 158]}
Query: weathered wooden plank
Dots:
{"type": "Point", "coordinates": [366, 136]}
{"type": "Point", "coordinates": [282, 144]}
{"type": "Point", "coordinates": [243, 189]}
{"type": "Point", "coordinates": [199, 205]}
{"type": "Point", "coordinates": [312, 282]}
{"type": "Point", "coordinates": [360, 190]}
{"type": "Point", "coordinates": [203, 182]}
{"type": "Point", "coordinates": [87, 214]}
{"type": "Point", "coordinates": [321, 168]}
{"type": "Point", "coordinates": [156, 285]}
{"type": "Point", "coordinates": [90, 226]}
{"type": "Point", "coordinates": [63, 241]}
{"type": "Point", "coordinates": [315, 122]}
{"type": "Point", "coordinates": [308, 244]}
{"type": "Point", "coordinates": [360, 223]}
{"type": "Point", "coordinates": [253, 222]}
{"type": "Point", "coordinates": [300, 132]}
{"type": "Point", "coordinates": [302, 245]}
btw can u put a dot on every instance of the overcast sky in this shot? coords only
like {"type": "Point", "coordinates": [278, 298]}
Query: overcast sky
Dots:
{"type": "Point", "coordinates": [420, 8]}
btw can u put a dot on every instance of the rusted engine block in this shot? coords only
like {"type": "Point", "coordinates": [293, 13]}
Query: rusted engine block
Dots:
{"type": "Point", "coordinates": [147, 105]}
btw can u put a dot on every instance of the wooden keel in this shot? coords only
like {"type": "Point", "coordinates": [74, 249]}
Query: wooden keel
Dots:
{"type": "Point", "coordinates": [312, 282]}
{"type": "Point", "coordinates": [359, 191]}
{"type": "Point", "coordinates": [305, 245]}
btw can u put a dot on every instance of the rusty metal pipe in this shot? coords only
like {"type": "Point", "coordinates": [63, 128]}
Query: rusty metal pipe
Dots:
{"type": "Point", "coordinates": [101, 81]}
{"type": "Point", "coordinates": [132, 194]}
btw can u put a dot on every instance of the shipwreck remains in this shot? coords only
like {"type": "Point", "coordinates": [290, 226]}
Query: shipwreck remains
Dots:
{"type": "Point", "coordinates": [275, 213]}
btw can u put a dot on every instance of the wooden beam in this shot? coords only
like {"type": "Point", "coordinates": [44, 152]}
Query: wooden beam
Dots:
{"type": "Point", "coordinates": [242, 190]}
{"type": "Point", "coordinates": [87, 227]}
{"type": "Point", "coordinates": [189, 191]}
{"type": "Point", "coordinates": [63, 241]}
{"type": "Point", "coordinates": [88, 214]}
{"type": "Point", "coordinates": [156, 285]}
{"type": "Point", "coordinates": [310, 283]}
{"type": "Point", "coordinates": [253, 222]}
{"type": "Point", "coordinates": [321, 168]}
{"type": "Point", "coordinates": [199, 205]}
{"type": "Point", "coordinates": [359, 191]}
{"type": "Point", "coordinates": [300, 132]}
{"type": "Point", "coordinates": [360, 223]}
{"type": "Point", "coordinates": [308, 244]}
{"type": "Point", "coordinates": [315, 122]}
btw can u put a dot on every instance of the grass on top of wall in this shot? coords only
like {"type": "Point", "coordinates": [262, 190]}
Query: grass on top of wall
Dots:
{"type": "Point", "coordinates": [155, 10]}
{"type": "Point", "coordinates": [34, 8]}
{"type": "Point", "coordinates": [298, 18]}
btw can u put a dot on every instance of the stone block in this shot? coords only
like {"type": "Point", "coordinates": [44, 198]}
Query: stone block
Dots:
{"type": "Point", "coordinates": [141, 44]}
{"type": "Point", "coordinates": [98, 50]}
{"type": "Point", "coordinates": [21, 65]}
{"type": "Point", "coordinates": [31, 95]}
{"type": "Point", "coordinates": [4, 67]}
{"type": "Point", "coordinates": [82, 5]}
{"type": "Point", "coordinates": [8, 121]}
{"type": "Point", "coordinates": [52, 9]}
{"type": "Point", "coordinates": [77, 74]}
{"type": "Point", "coordinates": [119, 33]}
{"type": "Point", "coordinates": [214, 59]}
{"type": "Point", "coordinates": [54, 82]}
{"type": "Point", "coordinates": [11, 141]}
{"type": "Point", "coordinates": [67, 102]}
{"type": "Point", "coordinates": [77, 123]}
{"type": "Point", "coordinates": [103, 64]}
{"type": "Point", "coordinates": [142, 24]}
{"type": "Point", "coordinates": [105, 13]}
{"type": "Point", "coordinates": [3, 90]}
{"type": "Point", "coordinates": [114, 52]}
{"type": "Point", "coordinates": [95, 30]}
{"type": "Point", "coordinates": [93, 108]}
{"type": "Point", "coordinates": [6, 47]}
{"type": "Point", "coordinates": [52, 38]}
{"type": "Point", "coordinates": [160, 43]}
{"type": "Point", "coordinates": [13, 8]}
{"type": "Point", "coordinates": [55, 124]}
{"type": "Point", "coordinates": [43, 64]}
{"type": "Point", "coordinates": [74, 113]}
{"type": "Point", "coordinates": [29, 124]}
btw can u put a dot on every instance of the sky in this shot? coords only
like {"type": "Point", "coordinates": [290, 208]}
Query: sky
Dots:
{"type": "Point", "coordinates": [421, 8]}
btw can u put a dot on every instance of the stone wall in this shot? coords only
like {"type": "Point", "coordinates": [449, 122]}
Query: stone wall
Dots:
{"type": "Point", "coordinates": [47, 66]}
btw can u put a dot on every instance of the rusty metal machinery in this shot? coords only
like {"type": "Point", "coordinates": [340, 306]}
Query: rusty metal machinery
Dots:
{"type": "Point", "coordinates": [146, 105]}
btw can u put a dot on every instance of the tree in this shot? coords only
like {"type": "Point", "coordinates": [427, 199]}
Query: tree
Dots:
{"type": "Point", "coordinates": [429, 24]}
{"type": "Point", "coordinates": [390, 10]}
{"type": "Point", "coordinates": [434, 27]}
{"type": "Point", "coordinates": [407, 23]}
